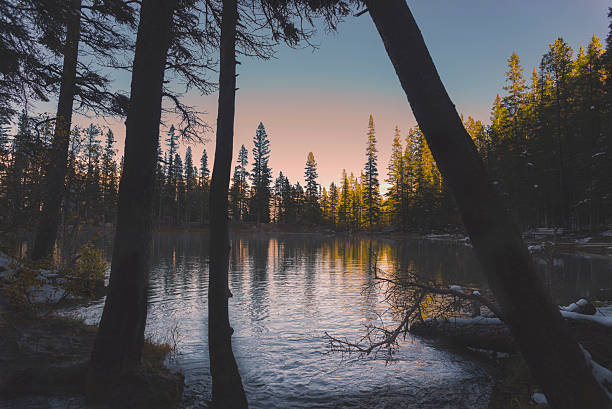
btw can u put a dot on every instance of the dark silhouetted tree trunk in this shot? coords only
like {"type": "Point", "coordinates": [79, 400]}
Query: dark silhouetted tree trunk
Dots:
{"type": "Point", "coordinates": [120, 337]}
{"type": "Point", "coordinates": [55, 171]}
{"type": "Point", "coordinates": [553, 355]}
{"type": "Point", "coordinates": [227, 389]}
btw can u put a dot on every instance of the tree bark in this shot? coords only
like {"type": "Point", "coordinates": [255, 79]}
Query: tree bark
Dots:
{"type": "Point", "coordinates": [55, 169]}
{"type": "Point", "coordinates": [549, 349]}
{"type": "Point", "coordinates": [120, 337]}
{"type": "Point", "coordinates": [227, 389]}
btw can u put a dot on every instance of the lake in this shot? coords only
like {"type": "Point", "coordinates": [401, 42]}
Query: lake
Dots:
{"type": "Point", "coordinates": [288, 289]}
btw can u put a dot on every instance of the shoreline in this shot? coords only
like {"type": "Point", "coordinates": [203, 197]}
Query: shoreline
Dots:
{"type": "Point", "coordinates": [537, 240]}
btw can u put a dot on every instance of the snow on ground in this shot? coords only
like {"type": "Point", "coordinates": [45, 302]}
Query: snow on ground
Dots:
{"type": "Point", "coordinates": [437, 236]}
{"type": "Point", "coordinates": [603, 375]}
{"type": "Point", "coordinates": [606, 310]}
{"type": "Point", "coordinates": [598, 317]}
{"type": "Point", "coordinates": [468, 321]}
{"type": "Point", "coordinates": [535, 247]}
{"type": "Point", "coordinates": [48, 290]}
{"type": "Point", "coordinates": [575, 306]}
{"type": "Point", "coordinates": [583, 241]}
{"type": "Point", "coordinates": [603, 315]}
{"type": "Point", "coordinates": [607, 233]}
{"type": "Point", "coordinates": [456, 288]}
{"type": "Point", "coordinates": [539, 398]}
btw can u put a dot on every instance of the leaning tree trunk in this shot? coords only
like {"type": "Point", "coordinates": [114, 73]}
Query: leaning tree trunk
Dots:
{"type": "Point", "coordinates": [227, 389]}
{"type": "Point", "coordinates": [553, 355]}
{"type": "Point", "coordinates": [55, 169]}
{"type": "Point", "coordinates": [119, 342]}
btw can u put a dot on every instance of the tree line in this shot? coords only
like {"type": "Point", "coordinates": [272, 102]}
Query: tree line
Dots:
{"type": "Point", "coordinates": [92, 175]}
{"type": "Point", "coordinates": [547, 150]}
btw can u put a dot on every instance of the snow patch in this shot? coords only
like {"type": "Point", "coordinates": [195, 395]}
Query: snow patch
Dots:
{"type": "Point", "coordinates": [575, 306]}
{"type": "Point", "coordinates": [600, 319]}
{"type": "Point", "coordinates": [603, 375]}
{"type": "Point", "coordinates": [469, 321]}
{"type": "Point", "coordinates": [583, 241]}
{"type": "Point", "coordinates": [47, 290]}
{"type": "Point", "coordinates": [437, 236]}
{"type": "Point", "coordinates": [539, 399]}
{"type": "Point", "coordinates": [535, 248]}
{"type": "Point", "coordinates": [607, 233]}
{"type": "Point", "coordinates": [456, 288]}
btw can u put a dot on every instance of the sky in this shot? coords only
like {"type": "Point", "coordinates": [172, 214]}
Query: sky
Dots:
{"type": "Point", "coordinates": [320, 100]}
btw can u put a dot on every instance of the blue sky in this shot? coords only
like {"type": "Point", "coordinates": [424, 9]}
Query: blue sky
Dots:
{"type": "Point", "coordinates": [320, 100]}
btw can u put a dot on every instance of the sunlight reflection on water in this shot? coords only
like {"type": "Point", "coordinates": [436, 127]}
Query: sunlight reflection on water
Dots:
{"type": "Point", "coordinates": [288, 290]}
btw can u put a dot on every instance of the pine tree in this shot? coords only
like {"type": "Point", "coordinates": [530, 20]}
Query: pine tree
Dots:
{"type": "Point", "coordinates": [344, 204]}
{"type": "Point", "coordinates": [92, 187]}
{"type": "Point", "coordinates": [180, 189]}
{"type": "Point", "coordinates": [558, 65]}
{"type": "Point", "coordinates": [356, 210]}
{"type": "Point", "coordinates": [324, 206]}
{"type": "Point", "coordinates": [20, 153]}
{"type": "Point", "coordinates": [515, 87]}
{"type": "Point", "coordinates": [312, 211]}
{"type": "Point", "coordinates": [109, 177]}
{"type": "Point", "coordinates": [371, 187]}
{"type": "Point", "coordinates": [333, 204]}
{"type": "Point", "coordinates": [279, 208]}
{"type": "Point", "coordinates": [191, 193]}
{"type": "Point", "coordinates": [261, 176]}
{"type": "Point", "coordinates": [160, 183]}
{"type": "Point", "coordinates": [238, 191]}
{"type": "Point", "coordinates": [169, 200]}
{"type": "Point", "coordinates": [204, 186]}
{"type": "Point", "coordinates": [396, 177]}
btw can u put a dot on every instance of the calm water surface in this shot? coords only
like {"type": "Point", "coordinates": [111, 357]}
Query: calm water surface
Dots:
{"type": "Point", "coordinates": [289, 289]}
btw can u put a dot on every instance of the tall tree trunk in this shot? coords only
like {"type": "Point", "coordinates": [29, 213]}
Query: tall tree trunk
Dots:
{"type": "Point", "coordinates": [120, 337]}
{"type": "Point", "coordinates": [55, 169]}
{"type": "Point", "coordinates": [551, 352]}
{"type": "Point", "coordinates": [227, 389]}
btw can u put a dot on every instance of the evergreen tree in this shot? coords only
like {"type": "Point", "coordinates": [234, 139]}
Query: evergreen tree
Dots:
{"type": "Point", "coordinates": [557, 64]}
{"type": "Point", "coordinates": [312, 211]}
{"type": "Point", "coordinates": [109, 178]}
{"type": "Point", "coordinates": [160, 183]}
{"type": "Point", "coordinates": [515, 87]}
{"type": "Point", "coordinates": [170, 194]}
{"type": "Point", "coordinates": [92, 178]}
{"type": "Point", "coordinates": [191, 192]}
{"type": "Point", "coordinates": [239, 189]}
{"type": "Point", "coordinates": [396, 177]}
{"type": "Point", "coordinates": [18, 188]}
{"type": "Point", "coordinates": [325, 206]}
{"type": "Point", "coordinates": [179, 181]}
{"type": "Point", "coordinates": [280, 212]}
{"type": "Point", "coordinates": [344, 204]}
{"type": "Point", "coordinates": [204, 186]}
{"type": "Point", "coordinates": [261, 176]}
{"type": "Point", "coordinates": [356, 209]}
{"type": "Point", "coordinates": [333, 204]}
{"type": "Point", "coordinates": [371, 188]}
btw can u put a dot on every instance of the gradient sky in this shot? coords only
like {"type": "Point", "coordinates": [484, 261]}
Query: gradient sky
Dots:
{"type": "Point", "coordinates": [320, 100]}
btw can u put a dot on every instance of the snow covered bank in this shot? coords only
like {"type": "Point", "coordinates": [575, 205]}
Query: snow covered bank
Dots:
{"type": "Point", "coordinates": [25, 284]}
